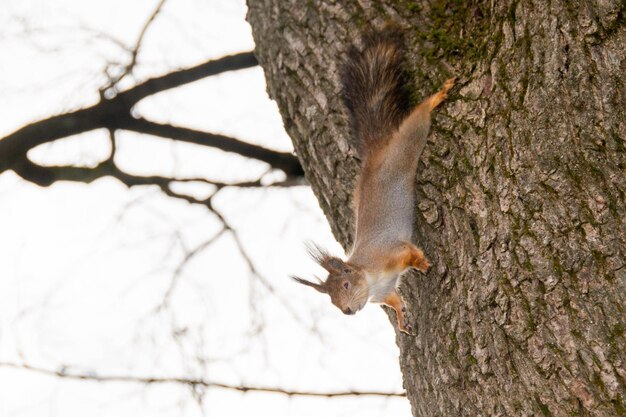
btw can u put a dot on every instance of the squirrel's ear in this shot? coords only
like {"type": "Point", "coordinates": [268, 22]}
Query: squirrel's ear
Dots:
{"type": "Point", "coordinates": [332, 264]}
{"type": "Point", "coordinates": [320, 287]}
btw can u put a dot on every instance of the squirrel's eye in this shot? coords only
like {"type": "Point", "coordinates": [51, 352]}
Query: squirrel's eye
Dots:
{"type": "Point", "coordinates": [346, 285]}
{"type": "Point", "coordinates": [347, 270]}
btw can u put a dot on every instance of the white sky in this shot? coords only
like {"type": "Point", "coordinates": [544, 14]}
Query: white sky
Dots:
{"type": "Point", "coordinates": [83, 268]}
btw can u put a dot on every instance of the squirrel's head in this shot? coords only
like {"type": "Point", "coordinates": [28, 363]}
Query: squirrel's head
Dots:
{"type": "Point", "coordinates": [346, 283]}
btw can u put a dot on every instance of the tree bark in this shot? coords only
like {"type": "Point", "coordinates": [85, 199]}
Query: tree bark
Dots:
{"type": "Point", "coordinates": [521, 190]}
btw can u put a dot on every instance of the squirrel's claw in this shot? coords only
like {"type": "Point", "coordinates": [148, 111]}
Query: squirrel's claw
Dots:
{"type": "Point", "coordinates": [403, 326]}
{"type": "Point", "coordinates": [406, 328]}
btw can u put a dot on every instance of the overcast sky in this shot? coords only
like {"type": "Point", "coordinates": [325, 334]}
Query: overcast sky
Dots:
{"type": "Point", "coordinates": [84, 268]}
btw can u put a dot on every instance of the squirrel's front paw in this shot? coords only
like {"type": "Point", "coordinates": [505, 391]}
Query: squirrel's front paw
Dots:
{"type": "Point", "coordinates": [419, 261]}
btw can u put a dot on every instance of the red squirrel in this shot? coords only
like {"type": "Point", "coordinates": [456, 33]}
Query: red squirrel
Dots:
{"type": "Point", "coordinates": [390, 137]}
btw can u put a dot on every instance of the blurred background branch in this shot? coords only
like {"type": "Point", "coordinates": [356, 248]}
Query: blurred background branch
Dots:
{"type": "Point", "coordinates": [116, 114]}
{"type": "Point", "coordinates": [67, 372]}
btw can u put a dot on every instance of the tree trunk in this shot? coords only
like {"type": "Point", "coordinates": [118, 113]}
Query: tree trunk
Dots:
{"type": "Point", "coordinates": [521, 190]}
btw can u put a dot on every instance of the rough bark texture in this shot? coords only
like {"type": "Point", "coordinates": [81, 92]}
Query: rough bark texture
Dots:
{"type": "Point", "coordinates": [521, 191]}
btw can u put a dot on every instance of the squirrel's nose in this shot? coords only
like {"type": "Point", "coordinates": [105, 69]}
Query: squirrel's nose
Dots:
{"type": "Point", "coordinates": [348, 311]}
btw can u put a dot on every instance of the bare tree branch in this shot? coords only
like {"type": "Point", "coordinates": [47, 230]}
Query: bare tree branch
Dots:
{"type": "Point", "coordinates": [14, 146]}
{"type": "Point", "coordinates": [112, 113]}
{"type": "Point", "coordinates": [280, 160]}
{"type": "Point", "coordinates": [64, 372]}
{"type": "Point", "coordinates": [48, 175]}
{"type": "Point", "coordinates": [175, 79]}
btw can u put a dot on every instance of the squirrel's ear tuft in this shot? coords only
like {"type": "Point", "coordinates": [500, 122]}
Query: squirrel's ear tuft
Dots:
{"type": "Point", "coordinates": [318, 286]}
{"type": "Point", "coordinates": [322, 257]}
{"type": "Point", "coordinates": [316, 252]}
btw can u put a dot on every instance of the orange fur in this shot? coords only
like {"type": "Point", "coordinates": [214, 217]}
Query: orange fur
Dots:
{"type": "Point", "coordinates": [407, 256]}
{"type": "Point", "coordinates": [434, 100]}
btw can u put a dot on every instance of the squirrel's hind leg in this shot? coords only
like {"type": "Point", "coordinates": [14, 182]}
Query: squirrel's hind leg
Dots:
{"type": "Point", "coordinates": [436, 99]}
{"type": "Point", "coordinates": [413, 131]}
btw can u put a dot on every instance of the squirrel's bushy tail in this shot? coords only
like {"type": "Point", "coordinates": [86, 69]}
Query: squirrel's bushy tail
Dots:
{"type": "Point", "coordinates": [374, 87]}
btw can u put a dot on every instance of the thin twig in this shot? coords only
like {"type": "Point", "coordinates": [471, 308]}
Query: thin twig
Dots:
{"type": "Point", "coordinates": [128, 69]}
{"type": "Point", "coordinates": [65, 372]}
{"type": "Point", "coordinates": [253, 270]}
{"type": "Point", "coordinates": [188, 256]}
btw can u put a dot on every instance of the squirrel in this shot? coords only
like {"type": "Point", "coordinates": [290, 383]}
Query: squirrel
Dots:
{"type": "Point", "coordinates": [390, 137]}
